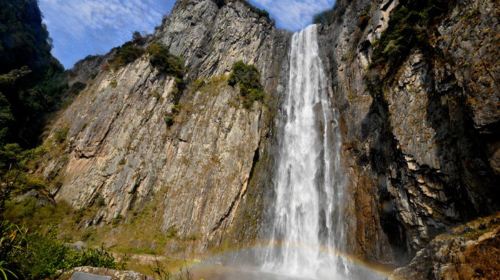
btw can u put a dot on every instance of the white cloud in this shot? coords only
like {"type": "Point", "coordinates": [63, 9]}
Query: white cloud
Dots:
{"type": "Point", "coordinates": [81, 15]}
{"type": "Point", "coordinates": [294, 14]}
{"type": "Point", "coordinates": [81, 27]}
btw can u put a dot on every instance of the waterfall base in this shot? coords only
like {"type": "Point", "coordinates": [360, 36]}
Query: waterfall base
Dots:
{"type": "Point", "coordinates": [242, 266]}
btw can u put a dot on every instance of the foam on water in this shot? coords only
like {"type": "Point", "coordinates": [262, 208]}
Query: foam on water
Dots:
{"type": "Point", "coordinates": [309, 179]}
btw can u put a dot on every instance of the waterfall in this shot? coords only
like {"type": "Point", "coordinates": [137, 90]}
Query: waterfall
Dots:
{"type": "Point", "coordinates": [306, 224]}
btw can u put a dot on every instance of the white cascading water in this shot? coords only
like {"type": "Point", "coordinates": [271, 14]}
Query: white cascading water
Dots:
{"type": "Point", "coordinates": [307, 229]}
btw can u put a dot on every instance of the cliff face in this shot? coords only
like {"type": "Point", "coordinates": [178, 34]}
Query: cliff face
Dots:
{"type": "Point", "coordinates": [419, 126]}
{"type": "Point", "coordinates": [123, 157]}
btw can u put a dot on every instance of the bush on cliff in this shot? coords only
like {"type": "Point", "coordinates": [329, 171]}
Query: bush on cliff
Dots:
{"type": "Point", "coordinates": [247, 77]}
{"type": "Point", "coordinates": [408, 28]}
{"type": "Point", "coordinates": [161, 59]}
{"type": "Point", "coordinates": [125, 54]}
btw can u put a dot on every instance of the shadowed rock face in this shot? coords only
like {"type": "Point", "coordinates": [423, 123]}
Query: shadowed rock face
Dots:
{"type": "Point", "coordinates": [419, 151]}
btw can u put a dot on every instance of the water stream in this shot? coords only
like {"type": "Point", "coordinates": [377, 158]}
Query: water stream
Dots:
{"type": "Point", "coordinates": [308, 183]}
{"type": "Point", "coordinates": [307, 234]}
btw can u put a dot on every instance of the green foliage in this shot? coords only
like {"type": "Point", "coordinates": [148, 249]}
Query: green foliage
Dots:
{"type": "Point", "coordinates": [408, 28]}
{"type": "Point", "coordinates": [198, 83]}
{"type": "Point", "coordinates": [10, 155]}
{"type": "Point", "coordinates": [169, 120]}
{"type": "Point", "coordinates": [5, 272]}
{"type": "Point", "coordinates": [25, 102]}
{"type": "Point", "coordinates": [14, 167]}
{"type": "Point", "coordinates": [24, 40]}
{"type": "Point", "coordinates": [161, 272]}
{"type": "Point", "coordinates": [32, 82]}
{"type": "Point", "coordinates": [172, 232]}
{"type": "Point", "coordinates": [247, 77]}
{"type": "Point", "coordinates": [125, 54]}
{"type": "Point", "coordinates": [61, 134]}
{"type": "Point", "coordinates": [6, 117]}
{"type": "Point", "coordinates": [36, 256]}
{"type": "Point", "coordinates": [161, 59]}
{"type": "Point", "coordinates": [76, 88]}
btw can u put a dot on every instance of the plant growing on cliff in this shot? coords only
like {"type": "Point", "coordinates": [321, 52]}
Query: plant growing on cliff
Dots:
{"type": "Point", "coordinates": [247, 77]}
{"type": "Point", "coordinates": [409, 27]}
{"type": "Point", "coordinates": [125, 54]}
{"type": "Point", "coordinates": [169, 120]}
{"type": "Point", "coordinates": [161, 59]}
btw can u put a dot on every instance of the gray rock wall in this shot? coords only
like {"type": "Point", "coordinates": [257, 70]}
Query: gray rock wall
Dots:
{"type": "Point", "coordinates": [419, 145]}
{"type": "Point", "coordinates": [122, 155]}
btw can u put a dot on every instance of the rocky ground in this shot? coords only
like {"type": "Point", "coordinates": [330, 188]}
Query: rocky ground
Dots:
{"type": "Point", "coordinates": [469, 251]}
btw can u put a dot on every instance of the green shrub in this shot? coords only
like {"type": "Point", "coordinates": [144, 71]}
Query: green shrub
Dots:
{"type": "Point", "coordinates": [161, 59]}
{"type": "Point", "coordinates": [169, 120]}
{"type": "Point", "coordinates": [247, 77]}
{"type": "Point", "coordinates": [125, 54]}
{"type": "Point", "coordinates": [409, 27]}
{"type": "Point", "coordinates": [171, 232]}
{"type": "Point", "coordinates": [32, 81]}
{"type": "Point", "coordinates": [61, 134]}
{"type": "Point", "coordinates": [10, 155]}
{"type": "Point", "coordinates": [36, 256]}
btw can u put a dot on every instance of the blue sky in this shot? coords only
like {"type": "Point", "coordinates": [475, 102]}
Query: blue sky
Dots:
{"type": "Point", "coordinates": [83, 27]}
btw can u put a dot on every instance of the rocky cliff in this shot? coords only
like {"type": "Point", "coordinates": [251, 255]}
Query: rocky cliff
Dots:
{"type": "Point", "coordinates": [417, 88]}
{"type": "Point", "coordinates": [191, 178]}
{"type": "Point", "coordinates": [416, 85]}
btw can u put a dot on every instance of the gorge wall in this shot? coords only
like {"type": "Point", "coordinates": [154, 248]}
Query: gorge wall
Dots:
{"type": "Point", "coordinates": [419, 107]}
{"type": "Point", "coordinates": [204, 175]}
{"type": "Point", "coordinates": [419, 121]}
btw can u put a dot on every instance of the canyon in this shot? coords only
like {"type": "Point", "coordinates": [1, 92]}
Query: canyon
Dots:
{"type": "Point", "coordinates": [391, 158]}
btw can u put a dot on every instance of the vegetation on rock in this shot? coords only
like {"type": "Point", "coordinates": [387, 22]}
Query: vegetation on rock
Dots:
{"type": "Point", "coordinates": [126, 54]}
{"type": "Point", "coordinates": [247, 77]}
{"type": "Point", "coordinates": [28, 255]}
{"type": "Point", "coordinates": [161, 59]}
{"type": "Point", "coordinates": [408, 28]}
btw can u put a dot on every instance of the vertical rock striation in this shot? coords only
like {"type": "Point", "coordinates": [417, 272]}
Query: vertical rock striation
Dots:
{"type": "Point", "coordinates": [197, 172]}
{"type": "Point", "coordinates": [418, 127]}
